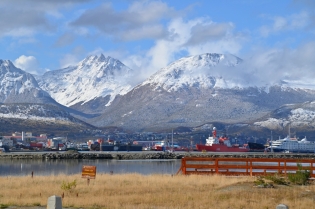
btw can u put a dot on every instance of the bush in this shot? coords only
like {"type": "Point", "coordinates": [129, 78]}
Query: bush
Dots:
{"type": "Point", "coordinates": [69, 186]}
{"type": "Point", "coordinates": [2, 206]}
{"type": "Point", "coordinates": [260, 182]}
{"type": "Point", "coordinates": [301, 177]}
{"type": "Point", "coordinates": [277, 179]}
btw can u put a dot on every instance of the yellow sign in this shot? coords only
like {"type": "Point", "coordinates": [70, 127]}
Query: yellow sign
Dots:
{"type": "Point", "coordinates": [89, 171]}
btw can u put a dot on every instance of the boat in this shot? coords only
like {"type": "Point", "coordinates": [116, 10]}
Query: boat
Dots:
{"type": "Point", "coordinates": [121, 147]}
{"type": "Point", "coordinates": [111, 145]}
{"type": "Point", "coordinates": [256, 147]}
{"type": "Point", "coordinates": [163, 146]}
{"type": "Point", "coordinates": [289, 145]}
{"type": "Point", "coordinates": [222, 144]}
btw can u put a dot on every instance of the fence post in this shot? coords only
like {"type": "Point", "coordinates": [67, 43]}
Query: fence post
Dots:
{"type": "Point", "coordinates": [279, 170]}
{"type": "Point", "coordinates": [184, 165]}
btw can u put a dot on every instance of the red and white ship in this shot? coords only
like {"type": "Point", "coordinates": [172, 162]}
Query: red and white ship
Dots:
{"type": "Point", "coordinates": [222, 144]}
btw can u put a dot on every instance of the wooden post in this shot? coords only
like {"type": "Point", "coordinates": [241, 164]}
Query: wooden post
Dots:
{"type": "Point", "coordinates": [88, 181]}
{"type": "Point", "coordinates": [184, 166]}
{"type": "Point", "coordinates": [279, 170]}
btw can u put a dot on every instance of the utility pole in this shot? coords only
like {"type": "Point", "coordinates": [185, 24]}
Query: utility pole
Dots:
{"type": "Point", "coordinates": [172, 141]}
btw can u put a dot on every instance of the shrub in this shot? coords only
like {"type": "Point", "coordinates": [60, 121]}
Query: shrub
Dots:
{"type": "Point", "coordinates": [301, 177]}
{"type": "Point", "coordinates": [259, 181]}
{"type": "Point", "coordinates": [68, 186]}
{"type": "Point", "coordinates": [2, 206]}
{"type": "Point", "coordinates": [277, 179]}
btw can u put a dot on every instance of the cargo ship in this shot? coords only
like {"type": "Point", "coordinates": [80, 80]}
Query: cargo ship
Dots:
{"type": "Point", "coordinates": [257, 147]}
{"type": "Point", "coordinates": [110, 145]}
{"type": "Point", "coordinates": [222, 144]}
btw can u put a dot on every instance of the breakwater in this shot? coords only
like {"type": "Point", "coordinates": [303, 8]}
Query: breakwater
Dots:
{"type": "Point", "coordinates": [146, 155]}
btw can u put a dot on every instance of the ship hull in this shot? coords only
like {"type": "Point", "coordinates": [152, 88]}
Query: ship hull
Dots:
{"type": "Point", "coordinates": [121, 148]}
{"type": "Point", "coordinates": [256, 147]}
{"type": "Point", "coordinates": [220, 148]}
{"type": "Point", "coordinates": [291, 150]}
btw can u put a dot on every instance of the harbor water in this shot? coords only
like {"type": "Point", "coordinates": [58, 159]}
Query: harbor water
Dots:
{"type": "Point", "coordinates": [24, 167]}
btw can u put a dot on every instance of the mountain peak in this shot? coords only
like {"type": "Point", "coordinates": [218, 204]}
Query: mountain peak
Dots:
{"type": "Point", "coordinates": [95, 76]}
{"type": "Point", "coordinates": [7, 64]}
{"type": "Point", "coordinates": [101, 58]}
{"type": "Point", "coordinates": [198, 71]}
{"type": "Point", "coordinates": [18, 86]}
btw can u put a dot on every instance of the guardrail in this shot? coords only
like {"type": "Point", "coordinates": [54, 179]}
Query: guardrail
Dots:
{"type": "Point", "coordinates": [244, 166]}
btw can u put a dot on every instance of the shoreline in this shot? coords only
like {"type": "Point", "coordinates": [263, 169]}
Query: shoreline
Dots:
{"type": "Point", "coordinates": [71, 154]}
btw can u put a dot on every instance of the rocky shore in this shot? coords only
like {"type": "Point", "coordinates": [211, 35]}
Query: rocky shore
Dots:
{"type": "Point", "coordinates": [147, 155]}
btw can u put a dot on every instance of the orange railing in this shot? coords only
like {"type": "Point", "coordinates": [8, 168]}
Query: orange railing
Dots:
{"type": "Point", "coordinates": [244, 166]}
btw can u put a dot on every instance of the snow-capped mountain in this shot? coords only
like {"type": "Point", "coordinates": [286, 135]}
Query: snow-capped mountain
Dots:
{"type": "Point", "coordinates": [96, 80]}
{"type": "Point", "coordinates": [194, 71]}
{"type": "Point", "coordinates": [17, 86]}
{"type": "Point", "coordinates": [191, 92]}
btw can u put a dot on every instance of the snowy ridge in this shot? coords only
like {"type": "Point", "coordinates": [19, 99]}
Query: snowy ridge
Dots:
{"type": "Point", "coordinates": [194, 71]}
{"type": "Point", "coordinates": [296, 117]}
{"type": "Point", "coordinates": [34, 112]}
{"type": "Point", "coordinates": [95, 76]}
{"type": "Point", "coordinates": [14, 80]}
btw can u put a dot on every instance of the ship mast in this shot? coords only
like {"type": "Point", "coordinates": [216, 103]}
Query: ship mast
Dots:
{"type": "Point", "coordinates": [172, 141]}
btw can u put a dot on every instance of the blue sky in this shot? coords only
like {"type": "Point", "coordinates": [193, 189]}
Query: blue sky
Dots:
{"type": "Point", "coordinates": [276, 38]}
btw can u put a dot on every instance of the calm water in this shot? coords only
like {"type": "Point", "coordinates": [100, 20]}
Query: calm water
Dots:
{"type": "Point", "coordinates": [23, 167]}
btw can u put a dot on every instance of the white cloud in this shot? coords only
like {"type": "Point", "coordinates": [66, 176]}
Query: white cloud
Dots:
{"type": "Point", "coordinates": [289, 23]}
{"type": "Point", "coordinates": [142, 20]}
{"type": "Point", "coordinates": [183, 41]}
{"type": "Point", "coordinates": [263, 67]}
{"type": "Point", "coordinates": [69, 60]}
{"type": "Point", "coordinates": [27, 63]}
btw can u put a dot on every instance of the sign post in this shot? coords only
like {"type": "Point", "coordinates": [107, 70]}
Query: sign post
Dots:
{"type": "Point", "coordinates": [88, 172]}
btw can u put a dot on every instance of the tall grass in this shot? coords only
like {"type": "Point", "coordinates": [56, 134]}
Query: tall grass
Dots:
{"type": "Point", "coordinates": [153, 191]}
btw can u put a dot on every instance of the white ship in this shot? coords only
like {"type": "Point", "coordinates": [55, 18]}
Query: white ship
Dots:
{"type": "Point", "coordinates": [292, 145]}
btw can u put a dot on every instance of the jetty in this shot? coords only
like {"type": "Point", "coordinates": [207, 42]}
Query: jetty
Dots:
{"type": "Point", "coordinates": [73, 154]}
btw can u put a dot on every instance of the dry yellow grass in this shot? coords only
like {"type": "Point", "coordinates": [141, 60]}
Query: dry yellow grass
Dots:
{"type": "Point", "coordinates": [153, 191]}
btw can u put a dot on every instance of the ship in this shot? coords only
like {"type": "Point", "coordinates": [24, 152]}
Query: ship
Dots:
{"type": "Point", "coordinates": [289, 145]}
{"type": "Point", "coordinates": [163, 146]}
{"type": "Point", "coordinates": [110, 145]}
{"type": "Point", "coordinates": [257, 147]}
{"type": "Point", "coordinates": [222, 144]}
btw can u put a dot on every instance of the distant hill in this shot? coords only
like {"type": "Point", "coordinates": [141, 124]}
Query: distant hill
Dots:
{"type": "Point", "coordinates": [39, 118]}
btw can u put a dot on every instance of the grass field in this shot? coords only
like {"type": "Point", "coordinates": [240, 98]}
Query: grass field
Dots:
{"type": "Point", "coordinates": [152, 191]}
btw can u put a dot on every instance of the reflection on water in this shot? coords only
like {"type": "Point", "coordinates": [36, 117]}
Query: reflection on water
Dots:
{"type": "Point", "coordinates": [23, 167]}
